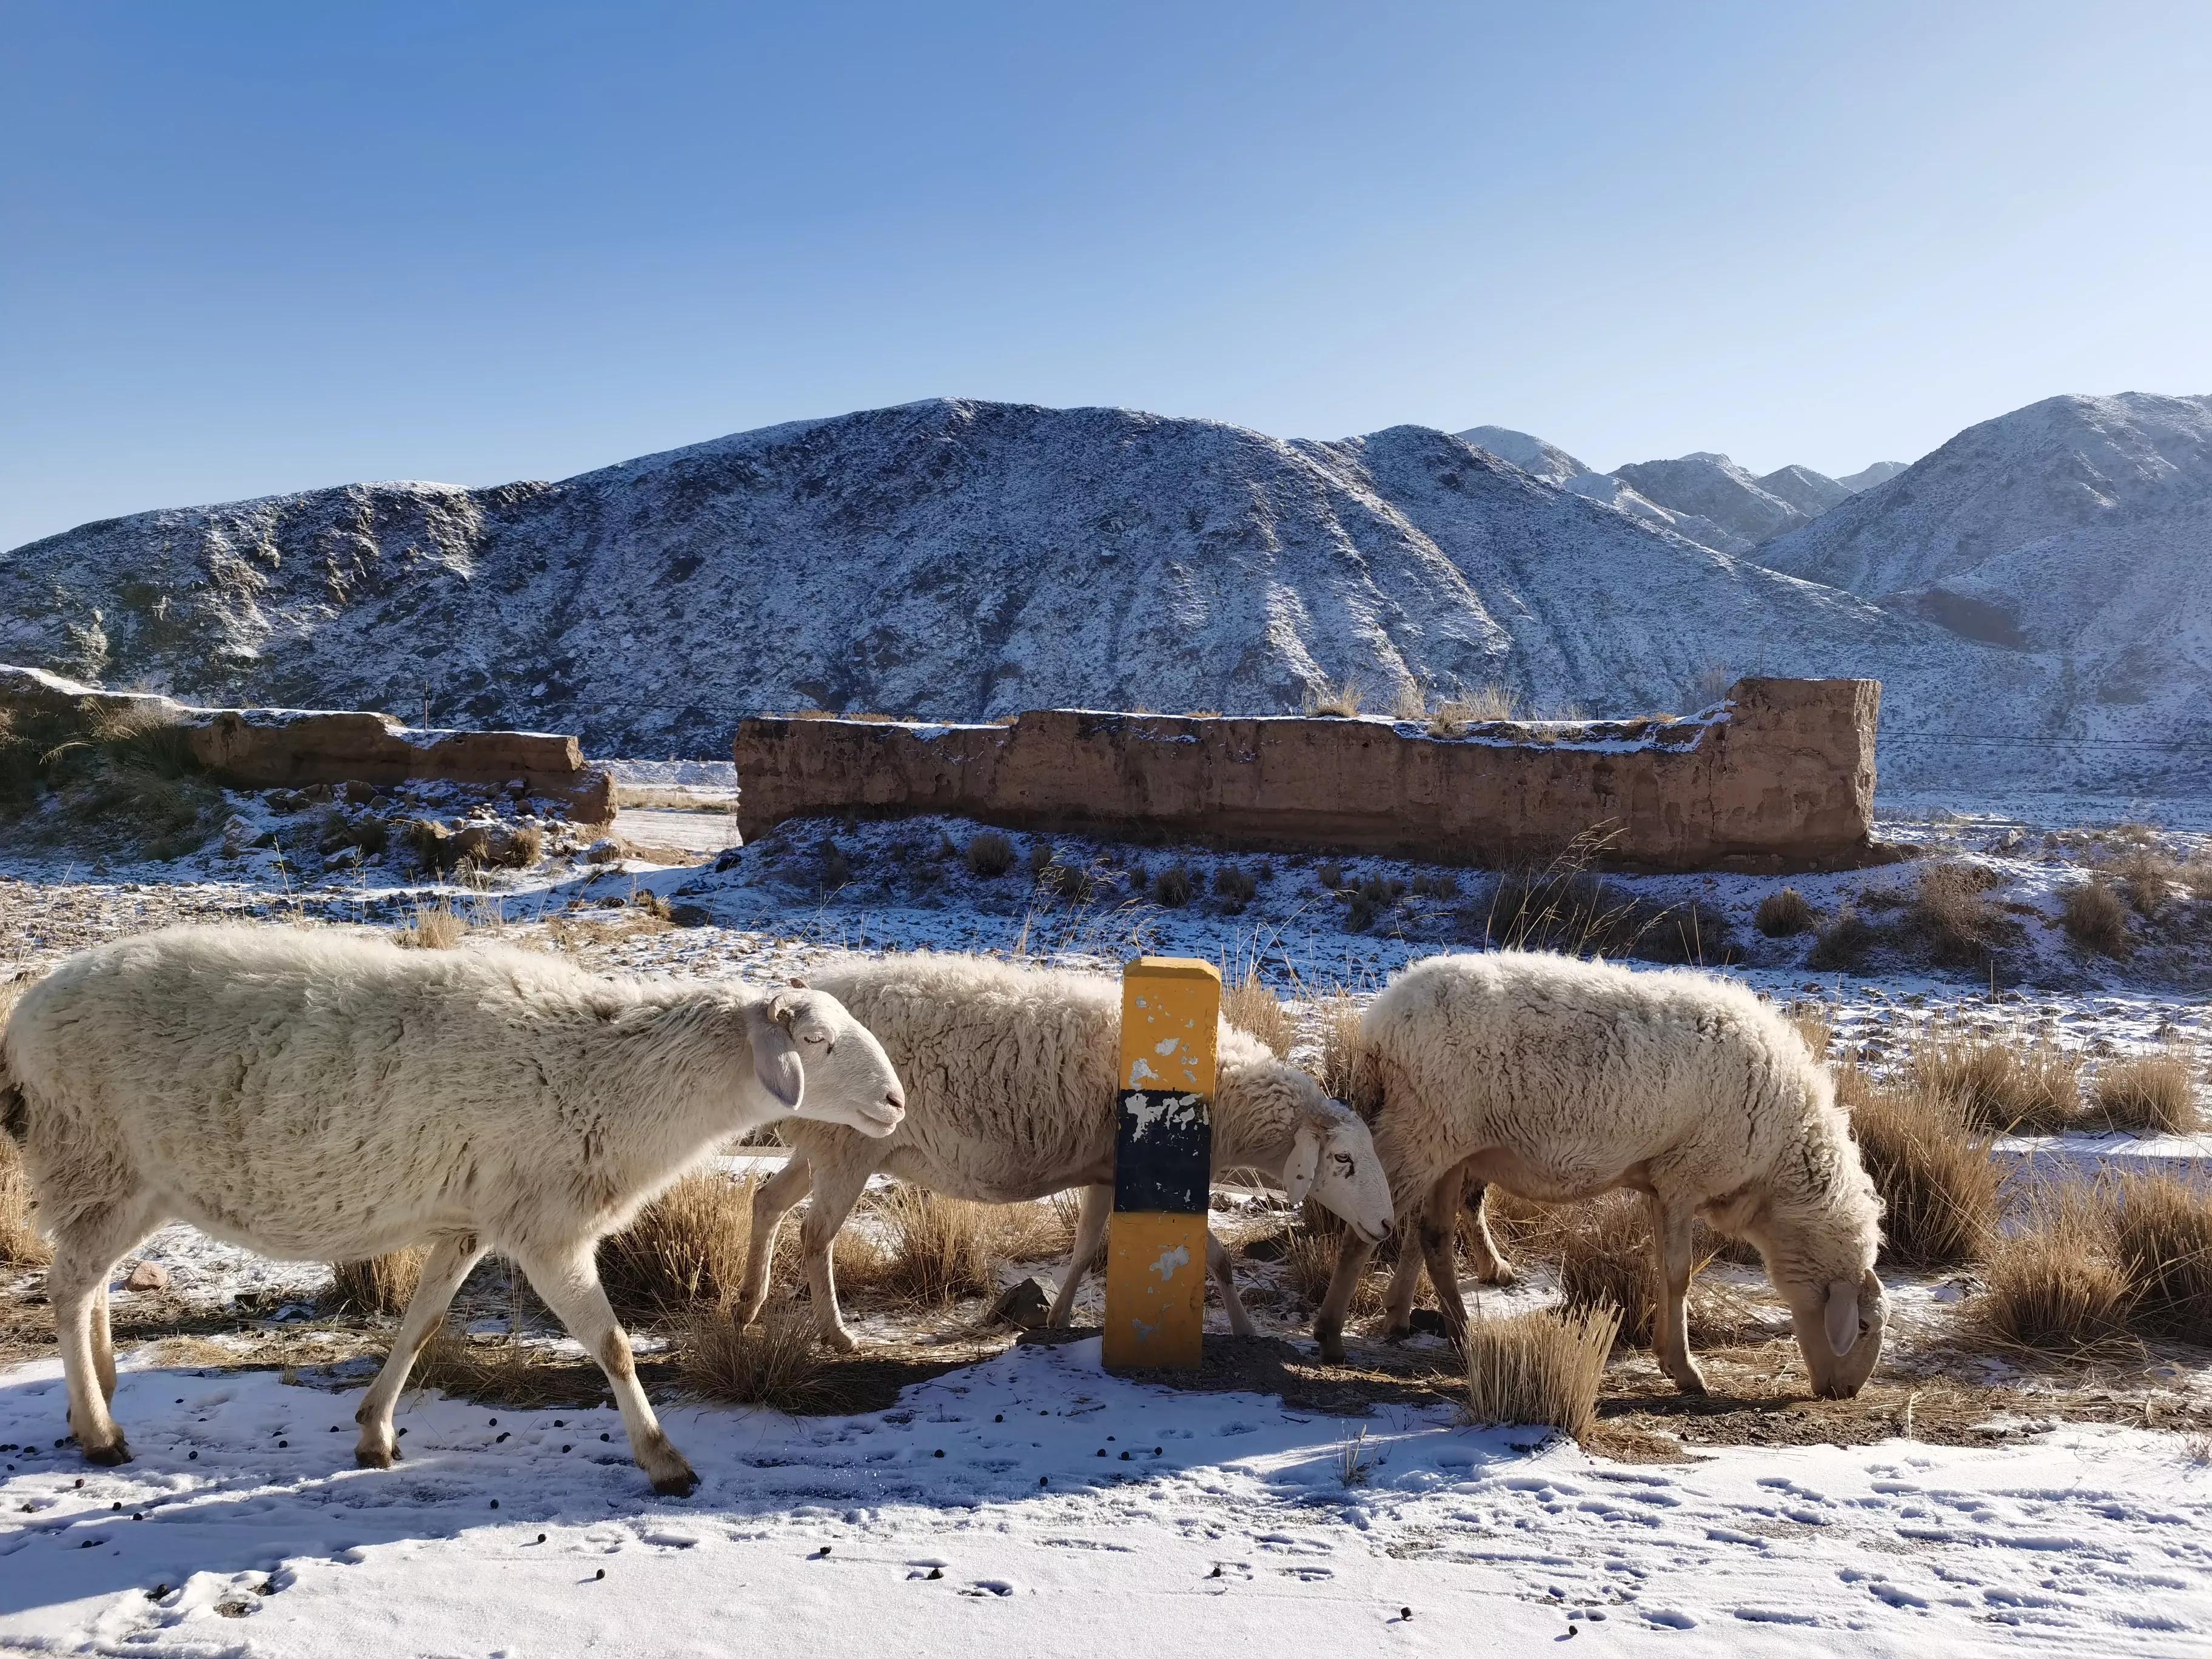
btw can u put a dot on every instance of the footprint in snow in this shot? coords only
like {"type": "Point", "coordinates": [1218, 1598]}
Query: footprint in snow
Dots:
{"type": "Point", "coordinates": [983, 1586]}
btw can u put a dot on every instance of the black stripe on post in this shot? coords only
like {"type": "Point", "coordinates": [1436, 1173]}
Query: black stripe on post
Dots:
{"type": "Point", "coordinates": [1162, 1151]}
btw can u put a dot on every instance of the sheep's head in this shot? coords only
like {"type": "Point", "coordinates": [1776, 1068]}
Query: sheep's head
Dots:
{"type": "Point", "coordinates": [815, 1060]}
{"type": "Point", "coordinates": [1822, 1265]}
{"type": "Point", "coordinates": [1333, 1161]}
{"type": "Point", "coordinates": [1838, 1325]}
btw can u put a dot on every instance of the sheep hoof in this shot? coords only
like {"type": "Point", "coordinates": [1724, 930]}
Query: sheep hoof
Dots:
{"type": "Point", "coordinates": [375, 1458]}
{"type": "Point", "coordinates": [1690, 1380]}
{"type": "Point", "coordinates": [117, 1450]}
{"type": "Point", "coordinates": [1501, 1274]}
{"type": "Point", "coordinates": [1332, 1345]}
{"type": "Point", "coordinates": [840, 1340]}
{"type": "Point", "coordinates": [682, 1484]}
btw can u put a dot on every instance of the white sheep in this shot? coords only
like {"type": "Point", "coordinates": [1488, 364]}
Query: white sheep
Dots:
{"type": "Point", "coordinates": [324, 1097]}
{"type": "Point", "coordinates": [1561, 1080]}
{"type": "Point", "coordinates": [1010, 1076]}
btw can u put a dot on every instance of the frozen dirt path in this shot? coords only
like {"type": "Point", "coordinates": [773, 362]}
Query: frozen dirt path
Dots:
{"type": "Point", "coordinates": [980, 1510]}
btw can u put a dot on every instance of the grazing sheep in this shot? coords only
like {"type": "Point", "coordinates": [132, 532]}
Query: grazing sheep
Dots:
{"type": "Point", "coordinates": [320, 1096]}
{"type": "Point", "coordinates": [1561, 1080]}
{"type": "Point", "coordinates": [1011, 1077]}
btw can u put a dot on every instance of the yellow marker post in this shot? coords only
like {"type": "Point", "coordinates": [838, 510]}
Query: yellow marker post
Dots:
{"type": "Point", "coordinates": [1163, 1162]}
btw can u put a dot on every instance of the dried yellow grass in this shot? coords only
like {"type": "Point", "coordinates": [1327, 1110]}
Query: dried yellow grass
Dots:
{"type": "Point", "coordinates": [2052, 1287]}
{"type": "Point", "coordinates": [940, 1249]}
{"type": "Point", "coordinates": [500, 1370]}
{"type": "Point", "coordinates": [1542, 1369]}
{"type": "Point", "coordinates": [2154, 1093]}
{"type": "Point", "coordinates": [687, 1246]}
{"type": "Point", "coordinates": [20, 1243]}
{"type": "Point", "coordinates": [2158, 1229]}
{"type": "Point", "coordinates": [1340, 698]}
{"type": "Point", "coordinates": [1339, 1047]}
{"type": "Point", "coordinates": [1250, 1006]}
{"type": "Point", "coordinates": [1930, 1163]}
{"type": "Point", "coordinates": [1599, 1249]}
{"type": "Point", "coordinates": [2017, 1088]}
{"type": "Point", "coordinates": [437, 927]}
{"type": "Point", "coordinates": [381, 1285]}
{"type": "Point", "coordinates": [771, 1363]}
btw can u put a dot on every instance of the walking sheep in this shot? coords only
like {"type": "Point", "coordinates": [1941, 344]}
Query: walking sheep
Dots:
{"type": "Point", "coordinates": [320, 1096]}
{"type": "Point", "coordinates": [1010, 1075]}
{"type": "Point", "coordinates": [1561, 1080]}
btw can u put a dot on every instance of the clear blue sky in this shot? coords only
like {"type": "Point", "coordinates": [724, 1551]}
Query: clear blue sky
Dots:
{"type": "Point", "coordinates": [249, 248]}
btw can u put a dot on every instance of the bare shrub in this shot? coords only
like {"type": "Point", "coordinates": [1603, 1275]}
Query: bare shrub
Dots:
{"type": "Point", "coordinates": [1173, 886]}
{"type": "Point", "coordinates": [1782, 915]}
{"type": "Point", "coordinates": [20, 1243]}
{"type": "Point", "coordinates": [1846, 944]}
{"type": "Point", "coordinates": [989, 854]}
{"type": "Point", "coordinates": [1709, 685]}
{"type": "Point", "coordinates": [2147, 1093]}
{"type": "Point", "coordinates": [1950, 921]}
{"type": "Point", "coordinates": [437, 927]}
{"type": "Point", "coordinates": [1563, 908]}
{"type": "Point", "coordinates": [381, 1285]}
{"type": "Point", "coordinates": [1539, 1368]}
{"type": "Point", "coordinates": [773, 1363]}
{"type": "Point", "coordinates": [1249, 1006]}
{"type": "Point", "coordinates": [1329, 873]}
{"type": "Point", "coordinates": [2050, 1287]}
{"type": "Point", "coordinates": [1436, 884]}
{"type": "Point", "coordinates": [2094, 918]}
{"type": "Point", "coordinates": [686, 1247]}
{"type": "Point", "coordinates": [2022, 1088]}
{"type": "Point", "coordinates": [1940, 1188]}
{"type": "Point", "coordinates": [2160, 1234]}
{"type": "Point", "coordinates": [1236, 883]}
{"type": "Point", "coordinates": [1408, 702]}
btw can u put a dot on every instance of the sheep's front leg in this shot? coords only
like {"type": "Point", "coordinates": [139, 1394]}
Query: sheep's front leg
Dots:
{"type": "Point", "coordinates": [835, 1192]}
{"type": "Point", "coordinates": [443, 1270]}
{"type": "Point", "coordinates": [86, 1251]}
{"type": "Point", "coordinates": [1217, 1262]}
{"type": "Point", "coordinates": [1439, 1231]}
{"type": "Point", "coordinates": [568, 1284]}
{"type": "Point", "coordinates": [1090, 1217]}
{"type": "Point", "coordinates": [1670, 1326]}
{"type": "Point", "coordinates": [771, 1203]}
{"type": "Point", "coordinates": [1351, 1260]}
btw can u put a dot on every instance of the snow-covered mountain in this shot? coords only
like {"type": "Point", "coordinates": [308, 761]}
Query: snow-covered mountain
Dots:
{"type": "Point", "coordinates": [2079, 528]}
{"type": "Point", "coordinates": [1553, 465]}
{"type": "Point", "coordinates": [957, 559]}
{"type": "Point", "coordinates": [1714, 488]}
{"type": "Point", "coordinates": [1810, 493]}
{"type": "Point", "coordinates": [1868, 476]}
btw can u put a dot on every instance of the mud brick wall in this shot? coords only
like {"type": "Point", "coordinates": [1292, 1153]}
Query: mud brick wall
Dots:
{"type": "Point", "coordinates": [272, 748]}
{"type": "Point", "coordinates": [1779, 777]}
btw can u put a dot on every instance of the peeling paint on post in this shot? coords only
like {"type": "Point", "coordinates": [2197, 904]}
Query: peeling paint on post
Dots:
{"type": "Point", "coordinates": [1163, 1162]}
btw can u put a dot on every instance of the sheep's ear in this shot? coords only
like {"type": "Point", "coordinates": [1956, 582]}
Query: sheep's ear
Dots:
{"type": "Point", "coordinates": [1305, 1163]}
{"type": "Point", "coordinates": [1842, 1316]}
{"type": "Point", "coordinates": [775, 1056]}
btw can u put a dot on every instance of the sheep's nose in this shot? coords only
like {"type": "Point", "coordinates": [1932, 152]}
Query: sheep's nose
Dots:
{"type": "Point", "coordinates": [895, 1099]}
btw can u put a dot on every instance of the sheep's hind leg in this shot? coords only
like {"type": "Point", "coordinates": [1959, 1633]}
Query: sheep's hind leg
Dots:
{"type": "Point", "coordinates": [1670, 1327]}
{"type": "Point", "coordinates": [1224, 1280]}
{"type": "Point", "coordinates": [1090, 1217]}
{"type": "Point", "coordinates": [1490, 1267]}
{"type": "Point", "coordinates": [772, 1202]}
{"type": "Point", "coordinates": [443, 1270]}
{"type": "Point", "coordinates": [86, 1250]}
{"type": "Point", "coordinates": [1439, 1231]}
{"type": "Point", "coordinates": [570, 1285]}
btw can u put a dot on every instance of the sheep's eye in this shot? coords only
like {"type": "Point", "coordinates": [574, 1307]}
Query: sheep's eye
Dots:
{"type": "Point", "coordinates": [816, 1038]}
{"type": "Point", "coordinates": [1866, 1328]}
{"type": "Point", "coordinates": [1343, 1162]}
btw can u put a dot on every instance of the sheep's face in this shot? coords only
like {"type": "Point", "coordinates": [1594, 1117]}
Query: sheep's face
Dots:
{"type": "Point", "coordinates": [1838, 1325]}
{"type": "Point", "coordinates": [816, 1061]}
{"type": "Point", "coordinates": [1333, 1160]}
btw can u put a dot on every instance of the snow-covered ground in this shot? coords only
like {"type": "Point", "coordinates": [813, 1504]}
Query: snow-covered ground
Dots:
{"type": "Point", "coordinates": [1032, 1500]}
{"type": "Point", "coordinates": [978, 1510]}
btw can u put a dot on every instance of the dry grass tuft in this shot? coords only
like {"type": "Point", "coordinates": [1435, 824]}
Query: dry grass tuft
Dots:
{"type": "Point", "coordinates": [686, 1247]}
{"type": "Point", "coordinates": [1940, 1188]}
{"type": "Point", "coordinates": [381, 1285]}
{"type": "Point", "coordinates": [2052, 1287]}
{"type": "Point", "coordinates": [1950, 921]}
{"type": "Point", "coordinates": [1249, 1006]}
{"type": "Point", "coordinates": [20, 1243]}
{"type": "Point", "coordinates": [2159, 1231]}
{"type": "Point", "coordinates": [1341, 699]}
{"type": "Point", "coordinates": [2149, 1093]}
{"type": "Point", "coordinates": [1341, 1075]}
{"type": "Point", "coordinates": [1490, 703]}
{"type": "Point", "coordinates": [1600, 1252]}
{"type": "Point", "coordinates": [989, 854]}
{"type": "Point", "coordinates": [499, 1370]}
{"type": "Point", "coordinates": [1173, 886]}
{"type": "Point", "coordinates": [1789, 912]}
{"type": "Point", "coordinates": [437, 927]}
{"type": "Point", "coordinates": [2094, 918]}
{"type": "Point", "coordinates": [1810, 1021]}
{"type": "Point", "coordinates": [1846, 944]}
{"type": "Point", "coordinates": [773, 1363]}
{"type": "Point", "coordinates": [1310, 1262]}
{"type": "Point", "coordinates": [1539, 1368]}
{"type": "Point", "coordinates": [2008, 1088]}
{"type": "Point", "coordinates": [939, 1250]}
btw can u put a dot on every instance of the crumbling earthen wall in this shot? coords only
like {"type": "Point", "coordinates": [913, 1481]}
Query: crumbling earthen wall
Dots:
{"type": "Point", "coordinates": [1780, 777]}
{"type": "Point", "coordinates": [272, 748]}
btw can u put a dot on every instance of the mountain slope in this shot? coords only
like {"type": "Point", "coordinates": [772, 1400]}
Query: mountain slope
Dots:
{"type": "Point", "coordinates": [1714, 487]}
{"type": "Point", "coordinates": [1868, 476]}
{"type": "Point", "coordinates": [957, 559]}
{"type": "Point", "coordinates": [1810, 493]}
